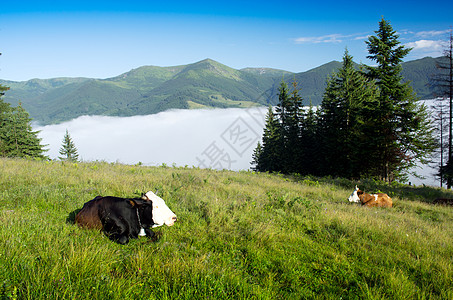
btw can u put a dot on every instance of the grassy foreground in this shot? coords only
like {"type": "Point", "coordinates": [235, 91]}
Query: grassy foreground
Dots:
{"type": "Point", "coordinates": [239, 235]}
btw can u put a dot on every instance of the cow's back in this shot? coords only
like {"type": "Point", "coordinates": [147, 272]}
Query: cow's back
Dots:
{"type": "Point", "coordinates": [382, 200]}
{"type": "Point", "coordinates": [88, 216]}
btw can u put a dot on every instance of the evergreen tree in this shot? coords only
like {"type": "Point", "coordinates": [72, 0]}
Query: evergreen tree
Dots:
{"type": "Point", "coordinates": [17, 139]}
{"type": "Point", "coordinates": [282, 116]}
{"type": "Point", "coordinates": [3, 105]}
{"type": "Point", "coordinates": [403, 128]}
{"type": "Point", "coordinates": [256, 157]}
{"type": "Point", "coordinates": [68, 149]}
{"type": "Point", "coordinates": [268, 156]}
{"type": "Point", "coordinates": [309, 159]}
{"type": "Point", "coordinates": [347, 118]}
{"type": "Point", "coordinates": [4, 109]}
{"type": "Point", "coordinates": [291, 116]}
{"type": "Point", "coordinates": [16, 135]}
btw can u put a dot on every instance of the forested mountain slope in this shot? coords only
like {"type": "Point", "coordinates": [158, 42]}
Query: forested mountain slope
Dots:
{"type": "Point", "coordinates": [152, 89]}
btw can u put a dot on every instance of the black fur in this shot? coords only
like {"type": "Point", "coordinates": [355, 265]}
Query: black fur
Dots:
{"type": "Point", "coordinates": [119, 218]}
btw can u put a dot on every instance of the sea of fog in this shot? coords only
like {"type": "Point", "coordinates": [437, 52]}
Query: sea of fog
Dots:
{"type": "Point", "coordinates": [206, 138]}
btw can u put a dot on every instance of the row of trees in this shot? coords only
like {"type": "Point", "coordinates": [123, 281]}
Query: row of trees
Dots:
{"type": "Point", "coordinates": [369, 123]}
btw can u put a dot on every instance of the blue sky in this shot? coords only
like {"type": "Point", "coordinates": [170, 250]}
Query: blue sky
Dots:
{"type": "Point", "coordinates": [101, 39]}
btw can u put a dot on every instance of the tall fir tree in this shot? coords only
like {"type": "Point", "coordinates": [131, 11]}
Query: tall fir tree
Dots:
{"type": "Point", "coordinates": [291, 116]}
{"type": "Point", "coordinates": [310, 148]}
{"type": "Point", "coordinates": [282, 119]}
{"type": "Point", "coordinates": [346, 118]}
{"type": "Point", "coordinates": [267, 157]}
{"type": "Point", "coordinates": [68, 149]}
{"type": "Point", "coordinates": [402, 127]}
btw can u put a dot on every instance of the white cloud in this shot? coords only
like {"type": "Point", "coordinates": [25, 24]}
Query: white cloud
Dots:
{"type": "Point", "coordinates": [331, 38]}
{"type": "Point", "coordinates": [183, 137]}
{"type": "Point", "coordinates": [363, 37]}
{"type": "Point", "coordinates": [425, 45]}
{"type": "Point", "coordinates": [431, 33]}
{"type": "Point", "coordinates": [405, 31]}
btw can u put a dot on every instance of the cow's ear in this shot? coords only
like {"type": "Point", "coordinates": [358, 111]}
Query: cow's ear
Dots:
{"type": "Point", "coordinates": [139, 202]}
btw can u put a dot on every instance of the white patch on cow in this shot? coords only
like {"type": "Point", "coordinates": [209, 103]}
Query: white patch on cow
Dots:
{"type": "Point", "coordinates": [161, 213]}
{"type": "Point", "coordinates": [375, 197]}
{"type": "Point", "coordinates": [354, 197]}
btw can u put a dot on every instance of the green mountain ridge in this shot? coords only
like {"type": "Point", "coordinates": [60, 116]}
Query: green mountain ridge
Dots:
{"type": "Point", "coordinates": [204, 84]}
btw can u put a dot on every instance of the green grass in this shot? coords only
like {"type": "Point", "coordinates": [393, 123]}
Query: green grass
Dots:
{"type": "Point", "coordinates": [239, 235]}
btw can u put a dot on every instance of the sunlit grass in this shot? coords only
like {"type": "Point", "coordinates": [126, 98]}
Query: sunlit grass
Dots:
{"type": "Point", "coordinates": [239, 235]}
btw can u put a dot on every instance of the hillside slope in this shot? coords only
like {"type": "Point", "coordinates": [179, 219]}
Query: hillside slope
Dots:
{"type": "Point", "coordinates": [152, 89]}
{"type": "Point", "coordinates": [238, 236]}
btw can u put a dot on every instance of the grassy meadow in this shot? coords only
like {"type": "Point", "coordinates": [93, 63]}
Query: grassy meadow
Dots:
{"type": "Point", "coordinates": [239, 235]}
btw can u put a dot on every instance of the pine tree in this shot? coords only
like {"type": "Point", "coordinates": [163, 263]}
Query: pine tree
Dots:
{"type": "Point", "coordinates": [268, 156]}
{"type": "Point", "coordinates": [309, 160]}
{"type": "Point", "coordinates": [256, 157]}
{"type": "Point", "coordinates": [404, 131]}
{"type": "Point", "coordinates": [17, 137]}
{"type": "Point", "coordinates": [346, 118]}
{"type": "Point", "coordinates": [68, 149]}
{"type": "Point", "coordinates": [3, 105]}
{"type": "Point", "coordinates": [4, 109]}
{"type": "Point", "coordinates": [291, 119]}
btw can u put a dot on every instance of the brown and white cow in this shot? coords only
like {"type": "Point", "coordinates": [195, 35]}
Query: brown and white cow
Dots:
{"type": "Point", "coordinates": [124, 218]}
{"type": "Point", "coordinates": [371, 200]}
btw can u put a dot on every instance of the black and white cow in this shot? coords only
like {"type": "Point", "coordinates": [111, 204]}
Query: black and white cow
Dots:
{"type": "Point", "coordinates": [124, 218]}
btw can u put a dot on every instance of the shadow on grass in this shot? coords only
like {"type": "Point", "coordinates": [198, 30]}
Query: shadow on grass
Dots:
{"type": "Point", "coordinates": [71, 217]}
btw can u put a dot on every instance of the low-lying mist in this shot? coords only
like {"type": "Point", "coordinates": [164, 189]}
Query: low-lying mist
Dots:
{"type": "Point", "coordinates": [214, 138]}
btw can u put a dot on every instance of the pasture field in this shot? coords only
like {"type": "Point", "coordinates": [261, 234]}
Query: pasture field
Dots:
{"type": "Point", "coordinates": [239, 235]}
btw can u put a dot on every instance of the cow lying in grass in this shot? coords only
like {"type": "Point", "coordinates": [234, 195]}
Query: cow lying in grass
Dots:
{"type": "Point", "coordinates": [124, 218]}
{"type": "Point", "coordinates": [371, 200]}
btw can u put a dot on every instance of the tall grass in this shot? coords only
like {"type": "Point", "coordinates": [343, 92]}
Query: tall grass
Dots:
{"type": "Point", "coordinates": [239, 235]}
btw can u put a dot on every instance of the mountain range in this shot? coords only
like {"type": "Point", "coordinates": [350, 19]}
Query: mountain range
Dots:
{"type": "Point", "coordinates": [204, 84]}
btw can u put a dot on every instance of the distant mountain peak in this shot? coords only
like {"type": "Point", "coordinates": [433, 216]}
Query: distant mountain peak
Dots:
{"type": "Point", "coordinates": [209, 67]}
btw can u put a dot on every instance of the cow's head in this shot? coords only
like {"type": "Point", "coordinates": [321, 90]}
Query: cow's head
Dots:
{"type": "Point", "coordinates": [144, 212]}
{"type": "Point", "coordinates": [161, 213]}
{"type": "Point", "coordinates": [354, 196]}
